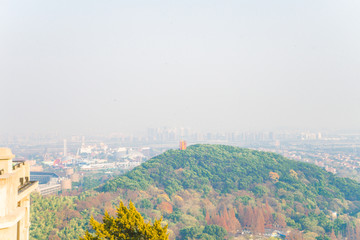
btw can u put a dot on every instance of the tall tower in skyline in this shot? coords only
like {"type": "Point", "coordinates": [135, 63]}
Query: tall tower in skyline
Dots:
{"type": "Point", "coordinates": [65, 148]}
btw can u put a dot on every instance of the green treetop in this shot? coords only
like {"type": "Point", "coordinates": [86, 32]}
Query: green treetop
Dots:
{"type": "Point", "coordinates": [127, 225]}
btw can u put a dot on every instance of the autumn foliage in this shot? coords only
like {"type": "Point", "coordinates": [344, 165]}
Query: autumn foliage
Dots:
{"type": "Point", "coordinates": [128, 224]}
{"type": "Point", "coordinates": [225, 218]}
{"type": "Point", "coordinates": [165, 207]}
{"type": "Point", "coordinates": [274, 176]}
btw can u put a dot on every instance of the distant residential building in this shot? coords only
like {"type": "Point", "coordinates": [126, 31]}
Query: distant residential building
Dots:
{"type": "Point", "coordinates": [66, 184]}
{"type": "Point", "coordinates": [319, 136]}
{"type": "Point", "coordinates": [52, 188]}
{"type": "Point", "coordinates": [15, 189]}
{"type": "Point", "coordinates": [49, 183]}
{"type": "Point", "coordinates": [86, 149]}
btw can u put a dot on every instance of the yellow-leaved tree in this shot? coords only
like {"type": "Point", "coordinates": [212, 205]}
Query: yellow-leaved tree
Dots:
{"type": "Point", "coordinates": [127, 225]}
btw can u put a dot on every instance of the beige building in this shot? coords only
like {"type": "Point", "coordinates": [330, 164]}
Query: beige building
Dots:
{"type": "Point", "coordinates": [15, 189]}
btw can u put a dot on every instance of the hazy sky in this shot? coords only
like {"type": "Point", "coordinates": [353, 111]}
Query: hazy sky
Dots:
{"type": "Point", "coordinates": [102, 66]}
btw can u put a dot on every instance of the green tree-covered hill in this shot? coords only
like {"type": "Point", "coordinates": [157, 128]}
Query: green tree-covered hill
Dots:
{"type": "Point", "coordinates": [305, 196]}
{"type": "Point", "coordinates": [217, 192]}
{"type": "Point", "coordinates": [227, 169]}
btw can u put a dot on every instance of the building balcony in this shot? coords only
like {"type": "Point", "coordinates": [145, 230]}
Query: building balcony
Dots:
{"type": "Point", "coordinates": [12, 219]}
{"type": "Point", "coordinates": [26, 189]}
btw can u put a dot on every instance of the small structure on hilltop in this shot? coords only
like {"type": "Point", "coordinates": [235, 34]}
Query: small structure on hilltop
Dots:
{"type": "Point", "coordinates": [182, 145]}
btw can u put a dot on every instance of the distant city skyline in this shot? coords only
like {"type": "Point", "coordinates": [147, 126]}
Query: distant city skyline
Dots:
{"type": "Point", "coordinates": [164, 134]}
{"type": "Point", "coordinates": [98, 67]}
{"type": "Point", "coordinates": [178, 131]}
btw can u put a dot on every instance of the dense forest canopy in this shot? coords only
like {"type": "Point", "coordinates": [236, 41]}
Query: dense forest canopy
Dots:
{"type": "Point", "coordinates": [217, 191]}
{"type": "Point", "coordinates": [127, 225]}
{"type": "Point", "coordinates": [227, 169]}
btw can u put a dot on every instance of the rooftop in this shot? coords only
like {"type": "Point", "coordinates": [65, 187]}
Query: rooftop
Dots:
{"type": "Point", "coordinates": [5, 154]}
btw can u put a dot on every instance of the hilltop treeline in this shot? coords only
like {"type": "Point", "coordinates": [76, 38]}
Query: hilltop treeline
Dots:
{"type": "Point", "coordinates": [212, 191]}
{"type": "Point", "coordinates": [301, 193]}
{"type": "Point", "coordinates": [227, 169]}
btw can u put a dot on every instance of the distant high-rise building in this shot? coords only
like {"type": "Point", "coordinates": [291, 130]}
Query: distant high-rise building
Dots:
{"type": "Point", "coordinates": [15, 189]}
{"type": "Point", "coordinates": [65, 148]}
{"type": "Point", "coordinates": [319, 135]}
{"type": "Point", "coordinates": [271, 136]}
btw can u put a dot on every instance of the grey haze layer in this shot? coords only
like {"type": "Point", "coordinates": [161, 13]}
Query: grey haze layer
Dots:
{"type": "Point", "coordinates": [93, 66]}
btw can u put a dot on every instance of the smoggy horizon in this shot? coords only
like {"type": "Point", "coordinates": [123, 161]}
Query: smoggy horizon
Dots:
{"type": "Point", "coordinates": [95, 67]}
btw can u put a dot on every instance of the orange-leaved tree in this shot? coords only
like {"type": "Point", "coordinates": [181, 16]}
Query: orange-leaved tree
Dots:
{"type": "Point", "coordinates": [127, 225]}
